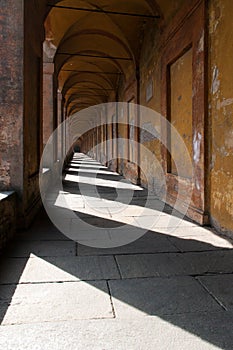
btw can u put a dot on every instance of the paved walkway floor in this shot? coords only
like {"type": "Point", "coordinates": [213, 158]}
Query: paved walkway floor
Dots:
{"type": "Point", "coordinates": [170, 286]}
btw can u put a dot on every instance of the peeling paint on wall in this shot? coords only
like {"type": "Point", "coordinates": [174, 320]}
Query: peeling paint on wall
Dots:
{"type": "Point", "coordinates": [215, 81]}
{"type": "Point", "coordinates": [196, 147]}
{"type": "Point", "coordinates": [221, 112]}
{"type": "Point", "coordinates": [49, 49]}
{"type": "Point", "coordinates": [215, 17]}
{"type": "Point", "coordinates": [181, 116]}
{"type": "Point", "coordinates": [213, 160]}
{"type": "Point", "coordinates": [224, 103]}
{"type": "Point", "coordinates": [197, 185]}
{"type": "Point", "coordinates": [201, 42]}
{"type": "Point", "coordinates": [228, 200]}
{"type": "Point", "coordinates": [229, 140]}
{"type": "Point", "coordinates": [148, 133]}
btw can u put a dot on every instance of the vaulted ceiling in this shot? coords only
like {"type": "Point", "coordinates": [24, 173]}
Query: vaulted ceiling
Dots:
{"type": "Point", "coordinates": [95, 44]}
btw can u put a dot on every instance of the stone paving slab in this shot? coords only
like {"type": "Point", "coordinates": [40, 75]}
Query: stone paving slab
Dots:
{"type": "Point", "coordinates": [43, 248]}
{"type": "Point", "coordinates": [42, 223]}
{"type": "Point", "coordinates": [199, 243]}
{"type": "Point", "coordinates": [84, 230]}
{"type": "Point", "coordinates": [130, 236]}
{"type": "Point", "coordinates": [41, 232]}
{"type": "Point", "coordinates": [91, 203]}
{"type": "Point", "coordinates": [58, 269]}
{"type": "Point", "coordinates": [54, 194]}
{"type": "Point", "coordinates": [152, 222]}
{"type": "Point", "coordinates": [67, 201]}
{"type": "Point", "coordinates": [135, 211]}
{"type": "Point", "coordinates": [22, 270]}
{"type": "Point", "coordinates": [194, 230]}
{"type": "Point", "coordinates": [83, 180]}
{"type": "Point", "coordinates": [91, 171]}
{"type": "Point", "coordinates": [182, 332]}
{"type": "Point", "coordinates": [11, 269]}
{"type": "Point", "coordinates": [102, 212]}
{"type": "Point", "coordinates": [126, 220]}
{"type": "Point", "coordinates": [214, 262]}
{"type": "Point", "coordinates": [221, 287]}
{"type": "Point", "coordinates": [151, 202]}
{"type": "Point", "coordinates": [48, 302]}
{"type": "Point", "coordinates": [42, 235]}
{"type": "Point", "coordinates": [172, 264]}
{"type": "Point", "coordinates": [95, 222]}
{"type": "Point", "coordinates": [87, 166]}
{"type": "Point", "coordinates": [148, 243]}
{"type": "Point", "coordinates": [150, 265]}
{"type": "Point", "coordinates": [160, 296]}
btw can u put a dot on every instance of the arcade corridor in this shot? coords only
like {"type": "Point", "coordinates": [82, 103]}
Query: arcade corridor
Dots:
{"type": "Point", "coordinates": [116, 174]}
{"type": "Point", "coordinates": [161, 291]}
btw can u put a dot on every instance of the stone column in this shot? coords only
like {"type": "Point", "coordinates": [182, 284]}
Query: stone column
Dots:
{"type": "Point", "coordinates": [48, 109]}
{"type": "Point", "coordinates": [59, 121]}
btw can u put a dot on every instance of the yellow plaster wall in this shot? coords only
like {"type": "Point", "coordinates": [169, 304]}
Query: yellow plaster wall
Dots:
{"type": "Point", "coordinates": [150, 70]}
{"type": "Point", "coordinates": [181, 112]}
{"type": "Point", "coordinates": [221, 112]}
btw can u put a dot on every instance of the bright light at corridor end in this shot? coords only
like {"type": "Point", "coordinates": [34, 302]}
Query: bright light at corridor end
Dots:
{"type": "Point", "coordinates": [91, 204]}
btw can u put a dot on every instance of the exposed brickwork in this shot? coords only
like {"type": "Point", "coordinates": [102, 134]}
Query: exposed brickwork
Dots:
{"type": "Point", "coordinates": [11, 94]}
{"type": "Point", "coordinates": [47, 101]}
{"type": "Point", "coordinates": [7, 219]}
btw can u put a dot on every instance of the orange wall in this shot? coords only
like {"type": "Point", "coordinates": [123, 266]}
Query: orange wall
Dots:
{"type": "Point", "coordinates": [221, 113]}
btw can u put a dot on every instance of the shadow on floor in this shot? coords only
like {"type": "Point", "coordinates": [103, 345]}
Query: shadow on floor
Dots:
{"type": "Point", "coordinates": [181, 279]}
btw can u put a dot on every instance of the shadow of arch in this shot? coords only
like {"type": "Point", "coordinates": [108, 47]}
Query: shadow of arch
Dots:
{"type": "Point", "coordinates": [153, 278]}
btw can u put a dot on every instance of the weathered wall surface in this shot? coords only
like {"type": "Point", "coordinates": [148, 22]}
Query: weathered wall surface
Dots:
{"type": "Point", "coordinates": [48, 70]}
{"type": "Point", "coordinates": [7, 218]}
{"type": "Point", "coordinates": [202, 116]}
{"type": "Point", "coordinates": [219, 187]}
{"type": "Point", "coordinates": [151, 91]}
{"type": "Point", "coordinates": [181, 111]}
{"type": "Point", "coordinates": [11, 115]}
{"type": "Point", "coordinates": [32, 111]}
{"type": "Point", "coordinates": [150, 96]}
{"type": "Point", "coordinates": [221, 113]}
{"type": "Point", "coordinates": [20, 102]}
{"type": "Point", "coordinates": [11, 95]}
{"type": "Point", "coordinates": [20, 97]}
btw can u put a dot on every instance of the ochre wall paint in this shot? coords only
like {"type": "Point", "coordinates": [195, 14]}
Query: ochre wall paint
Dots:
{"type": "Point", "coordinates": [181, 111]}
{"type": "Point", "coordinates": [221, 113]}
{"type": "Point", "coordinates": [162, 47]}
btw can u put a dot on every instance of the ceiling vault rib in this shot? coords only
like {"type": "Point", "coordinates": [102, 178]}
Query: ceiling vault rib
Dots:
{"type": "Point", "coordinates": [84, 95]}
{"type": "Point", "coordinates": [101, 11]}
{"type": "Point", "coordinates": [94, 56]}
{"type": "Point", "coordinates": [101, 89]}
{"type": "Point", "coordinates": [92, 72]}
